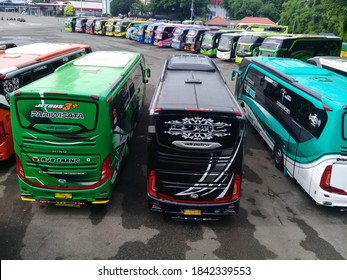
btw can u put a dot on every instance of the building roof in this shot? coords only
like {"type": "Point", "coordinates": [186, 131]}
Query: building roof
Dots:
{"type": "Point", "coordinates": [261, 20]}
{"type": "Point", "coordinates": [218, 21]}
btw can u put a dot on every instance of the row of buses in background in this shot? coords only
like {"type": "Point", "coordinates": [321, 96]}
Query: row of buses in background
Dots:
{"type": "Point", "coordinates": [227, 44]}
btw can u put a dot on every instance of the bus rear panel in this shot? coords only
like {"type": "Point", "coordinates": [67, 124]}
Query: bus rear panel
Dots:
{"type": "Point", "coordinates": [195, 142]}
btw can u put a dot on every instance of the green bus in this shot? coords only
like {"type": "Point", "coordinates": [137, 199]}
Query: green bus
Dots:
{"type": "Point", "coordinates": [210, 41]}
{"type": "Point", "coordinates": [300, 111]}
{"type": "Point", "coordinates": [301, 46]}
{"type": "Point", "coordinates": [72, 128]}
{"type": "Point", "coordinates": [248, 45]}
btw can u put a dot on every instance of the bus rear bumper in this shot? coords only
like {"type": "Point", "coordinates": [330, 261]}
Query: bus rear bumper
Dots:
{"type": "Point", "coordinates": [98, 195]}
{"type": "Point", "coordinates": [325, 198]}
{"type": "Point", "coordinates": [193, 211]}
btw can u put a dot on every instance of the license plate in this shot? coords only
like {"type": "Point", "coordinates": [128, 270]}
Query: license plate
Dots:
{"type": "Point", "coordinates": [191, 212]}
{"type": "Point", "coordinates": [63, 195]}
{"type": "Point", "coordinates": [67, 204]}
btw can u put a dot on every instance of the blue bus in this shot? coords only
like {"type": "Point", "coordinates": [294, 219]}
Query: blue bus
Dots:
{"type": "Point", "coordinates": [300, 110]}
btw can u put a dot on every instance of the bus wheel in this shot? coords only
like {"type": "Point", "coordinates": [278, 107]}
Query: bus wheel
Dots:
{"type": "Point", "coordinates": [278, 155]}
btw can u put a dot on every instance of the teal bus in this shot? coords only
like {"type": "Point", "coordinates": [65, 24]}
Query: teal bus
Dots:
{"type": "Point", "coordinates": [72, 128]}
{"type": "Point", "coordinates": [300, 110]}
{"type": "Point", "coordinates": [300, 46]}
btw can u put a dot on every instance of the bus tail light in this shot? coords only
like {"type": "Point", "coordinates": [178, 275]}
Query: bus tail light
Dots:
{"type": "Point", "coordinates": [237, 187]}
{"type": "Point", "coordinates": [106, 170]}
{"type": "Point", "coordinates": [2, 132]}
{"type": "Point", "coordinates": [20, 169]}
{"type": "Point", "coordinates": [325, 182]}
{"type": "Point", "coordinates": [152, 186]}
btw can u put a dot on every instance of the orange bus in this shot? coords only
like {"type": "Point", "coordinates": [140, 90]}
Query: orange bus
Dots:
{"type": "Point", "coordinates": [21, 65]}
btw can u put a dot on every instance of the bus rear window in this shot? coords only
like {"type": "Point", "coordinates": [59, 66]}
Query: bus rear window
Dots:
{"type": "Point", "coordinates": [56, 115]}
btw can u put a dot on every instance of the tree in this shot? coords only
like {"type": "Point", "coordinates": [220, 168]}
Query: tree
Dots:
{"type": "Point", "coordinates": [180, 9]}
{"type": "Point", "coordinates": [138, 8]}
{"type": "Point", "coordinates": [69, 10]}
{"type": "Point", "coordinates": [315, 16]}
{"type": "Point", "coordinates": [238, 9]}
{"type": "Point", "coordinates": [121, 6]}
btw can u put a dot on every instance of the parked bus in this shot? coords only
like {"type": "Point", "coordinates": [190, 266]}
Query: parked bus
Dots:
{"type": "Point", "coordinates": [227, 45]}
{"type": "Point", "coordinates": [267, 28]}
{"type": "Point", "coordinates": [100, 27]}
{"type": "Point", "coordinates": [300, 111]}
{"type": "Point", "coordinates": [179, 37]}
{"type": "Point", "coordinates": [141, 32]}
{"type": "Point", "coordinates": [110, 25]}
{"type": "Point", "coordinates": [72, 128]}
{"type": "Point", "coordinates": [300, 46]}
{"type": "Point", "coordinates": [122, 26]}
{"type": "Point", "coordinates": [194, 39]}
{"type": "Point", "coordinates": [195, 141]}
{"type": "Point", "coordinates": [336, 64]}
{"type": "Point", "coordinates": [150, 32]}
{"type": "Point", "coordinates": [343, 52]}
{"type": "Point", "coordinates": [70, 24]}
{"type": "Point", "coordinates": [90, 25]}
{"type": "Point", "coordinates": [248, 45]}
{"type": "Point", "coordinates": [22, 65]}
{"type": "Point", "coordinates": [163, 35]}
{"type": "Point", "coordinates": [210, 41]}
{"type": "Point", "coordinates": [262, 27]}
{"type": "Point", "coordinates": [81, 25]}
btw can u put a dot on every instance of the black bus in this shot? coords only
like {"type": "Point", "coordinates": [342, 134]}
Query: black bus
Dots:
{"type": "Point", "coordinates": [195, 141]}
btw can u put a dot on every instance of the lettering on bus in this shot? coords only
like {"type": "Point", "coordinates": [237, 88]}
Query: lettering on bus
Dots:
{"type": "Point", "coordinates": [56, 115]}
{"type": "Point", "coordinates": [66, 107]}
{"type": "Point", "coordinates": [57, 160]}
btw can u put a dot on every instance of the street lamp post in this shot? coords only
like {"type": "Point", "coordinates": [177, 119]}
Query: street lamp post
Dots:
{"type": "Point", "coordinates": [81, 9]}
{"type": "Point", "coordinates": [192, 10]}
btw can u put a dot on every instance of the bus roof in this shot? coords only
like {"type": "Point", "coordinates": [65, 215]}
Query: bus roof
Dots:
{"type": "Point", "coordinates": [317, 82]}
{"type": "Point", "coordinates": [193, 82]}
{"type": "Point", "coordinates": [93, 74]}
{"type": "Point", "coordinates": [15, 58]}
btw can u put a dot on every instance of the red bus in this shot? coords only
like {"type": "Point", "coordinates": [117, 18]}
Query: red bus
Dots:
{"type": "Point", "coordinates": [20, 66]}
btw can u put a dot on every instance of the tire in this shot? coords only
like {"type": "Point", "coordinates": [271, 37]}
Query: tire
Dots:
{"type": "Point", "coordinates": [278, 157]}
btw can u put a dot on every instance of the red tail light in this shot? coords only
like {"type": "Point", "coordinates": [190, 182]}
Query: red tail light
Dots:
{"type": "Point", "coordinates": [19, 168]}
{"type": "Point", "coordinates": [237, 187]}
{"type": "Point", "coordinates": [325, 182]}
{"type": "Point", "coordinates": [152, 187]}
{"type": "Point", "coordinates": [2, 132]}
{"type": "Point", "coordinates": [106, 170]}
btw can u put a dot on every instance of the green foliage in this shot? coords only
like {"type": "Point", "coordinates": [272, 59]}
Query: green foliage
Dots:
{"type": "Point", "coordinates": [238, 9]}
{"type": "Point", "coordinates": [180, 9]}
{"type": "Point", "coordinates": [138, 8]}
{"type": "Point", "coordinates": [315, 16]}
{"type": "Point", "coordinates": [69, 10]}
{"type": "Point", "coordinates": [121, 6]}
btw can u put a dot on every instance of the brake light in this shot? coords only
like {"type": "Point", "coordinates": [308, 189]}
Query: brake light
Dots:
{"type": "Point", "coordinates": [152, 186]}
{"type": "Point", "coordinates": [237, 187]}
{"type": "Point", "coordinates": [19, 168]}
{"type": "Point", "coordinates": [325, 182]}
{"type": "Point", "coordinates": [106, 170]}
{"type": "Point", "coordinates": [2, 132]}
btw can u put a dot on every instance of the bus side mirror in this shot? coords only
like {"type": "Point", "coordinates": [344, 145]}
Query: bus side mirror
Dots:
{"type": "Point", "coordinates": [147, 75]}
{"type": "Point", "coordinates": [234, 73]}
